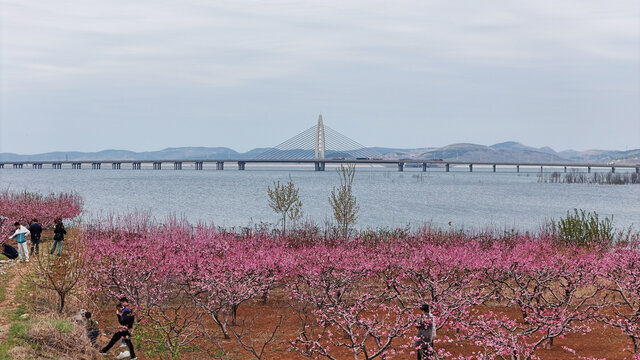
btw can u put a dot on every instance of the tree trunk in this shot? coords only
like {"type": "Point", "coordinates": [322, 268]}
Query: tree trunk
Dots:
{"type": "Point", "coordinates": [234, 311]}
{"type": "Point", "coordinates": [62, 298]}
{"type": "Point", "coordinates": [222, 326]}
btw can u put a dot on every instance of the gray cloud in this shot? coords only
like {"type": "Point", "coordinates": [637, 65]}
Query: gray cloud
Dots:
{"type": "Point", "coordinates": [476, 71]}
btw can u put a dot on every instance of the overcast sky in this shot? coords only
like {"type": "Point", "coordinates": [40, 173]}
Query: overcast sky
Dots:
{"type": "Point", "coordinates": [143, 75]}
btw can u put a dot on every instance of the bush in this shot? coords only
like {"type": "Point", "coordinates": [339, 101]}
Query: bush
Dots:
{"type": "Point", "coordinates": [584, 228]}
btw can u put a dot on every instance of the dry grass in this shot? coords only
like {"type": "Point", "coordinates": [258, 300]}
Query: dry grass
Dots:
{"type": "Point", "coordinates": [44, 301]}
{"type": "Point", "coordinates": [22, 353]}
{"type": "Point", "coordinates": [61, 338]}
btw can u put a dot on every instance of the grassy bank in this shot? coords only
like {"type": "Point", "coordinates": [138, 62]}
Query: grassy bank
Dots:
{"type": "Point", "coordinates": [33, 329]}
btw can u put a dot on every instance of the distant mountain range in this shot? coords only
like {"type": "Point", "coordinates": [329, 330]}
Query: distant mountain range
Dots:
{"type": "Point", "coordinates": [510, 151]}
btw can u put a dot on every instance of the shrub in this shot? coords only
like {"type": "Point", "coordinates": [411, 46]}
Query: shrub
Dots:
{"type": "Point", "coordinates": [584, 228]}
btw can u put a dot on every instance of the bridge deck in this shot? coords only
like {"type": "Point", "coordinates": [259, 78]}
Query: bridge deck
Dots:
{"type": "Point", "coordinates": [327, 161]}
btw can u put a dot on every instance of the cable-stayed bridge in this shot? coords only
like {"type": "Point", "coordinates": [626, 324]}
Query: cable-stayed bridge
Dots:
{"type": "Point", "coordinates": [319, 145]}
{"type": "Point", "coordinates": [320, 142]}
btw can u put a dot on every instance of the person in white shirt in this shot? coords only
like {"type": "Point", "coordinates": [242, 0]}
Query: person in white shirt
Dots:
{"type": "Point", "coordinates": [21, 237]}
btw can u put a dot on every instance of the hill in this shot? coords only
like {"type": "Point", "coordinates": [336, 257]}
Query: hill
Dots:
{"type": "Point", "coordinates": [509, 151]}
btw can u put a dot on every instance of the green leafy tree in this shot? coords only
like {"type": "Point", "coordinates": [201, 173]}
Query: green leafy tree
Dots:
{"type": "Point", "coordinates": [343, 202]}
{"type": "Point", "coordinates": [284, 200]}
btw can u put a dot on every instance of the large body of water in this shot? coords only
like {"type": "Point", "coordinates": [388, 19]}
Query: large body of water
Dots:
{"type": "Point", "coordinates": [387, 198]}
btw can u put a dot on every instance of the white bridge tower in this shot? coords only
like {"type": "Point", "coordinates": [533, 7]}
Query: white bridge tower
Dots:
{"type": "Point", "coordinates": [320, 139]}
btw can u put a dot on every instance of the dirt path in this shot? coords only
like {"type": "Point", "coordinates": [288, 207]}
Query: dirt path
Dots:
{"type": "Point", "coordinates": [8, 272]}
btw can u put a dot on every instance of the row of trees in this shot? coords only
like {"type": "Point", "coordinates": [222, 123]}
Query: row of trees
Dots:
{"type": "Point", "coordinates": [25, 206]}
{"type": "Point", "coordinates": [284, 199]}
{"type": "Point", "coordinates": [358, 297]}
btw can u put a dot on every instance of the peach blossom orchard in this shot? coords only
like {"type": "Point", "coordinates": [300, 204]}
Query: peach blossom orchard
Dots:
{"type": "Point", "coordinates": [359, 296]}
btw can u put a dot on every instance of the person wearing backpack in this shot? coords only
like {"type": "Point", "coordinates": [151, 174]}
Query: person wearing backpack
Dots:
{"type": "Point", "coordinates": [58, 236]}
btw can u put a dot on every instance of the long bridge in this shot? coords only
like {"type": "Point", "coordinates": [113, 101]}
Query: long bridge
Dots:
{"type": "Point", "coordinates": [319, 164]}
{"type": "Point", "coordinates": [318, 145]}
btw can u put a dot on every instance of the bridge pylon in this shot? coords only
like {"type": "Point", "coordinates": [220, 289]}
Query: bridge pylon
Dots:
{"type": "Point", "coordinates": [319, 142]}
{"type": "Point", "coordinates": [320, 139]}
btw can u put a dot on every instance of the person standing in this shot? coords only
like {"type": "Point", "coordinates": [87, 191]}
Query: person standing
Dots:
{"type": "Point", "coordinates": [58, 236]}
{"type": "Point", "coordinates": [21, 234]}
{"type": "Point", "coordinates": [127, 320]}
{"type": "Point", "coordinates": [36, 230]}
{"type": "Point", "coordinates": [426, 334]}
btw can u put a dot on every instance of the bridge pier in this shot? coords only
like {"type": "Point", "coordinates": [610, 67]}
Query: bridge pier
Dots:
{"type": "Point", "coordinates": [470, 167]}
{"type": "Point", "coordinates": [219, 165]}
{"type": "Point", "coordinates": [400, 166]}
{"type": "Point", "coordinates": [613, 169]}
{"type": "Point", "coordinates": [198, 165]}
{"type": "Point", "coordinates": [36, 165]}
{"type": "Point", "coordinates": [116, 165]}
{"type": "Point", "coordinates": [517, 168]}
{"type": "Point", "coordinates": [319, 165]}
{"type": "Point", "coordinates": [241, 165]}
{"type": "Point", "coordinates": [589, 169]}
{"type": "Point", "coordinates": [96, 165]}
{"type": "Point", "coordinates": [76, 165]}
{"type": "Point", "coordinates": [541, 171]}
{"type": "Point", "coordinates": [56, 165]}
{"type": "Point", "coordinates": [424, 167]}
{"type": "Point", "coordinates": [1, 166]}
{"type": "Point", "coordinates": [157, 165]}
{"type": "Point", "coordinates": [177, 165]}
{"type": "Point", "coordinates": [17, 166]}
{"type": "Point", "coordinates": [494, 167]}
{"type": "Point", "coordinates": [446, 167]}
{"type": "Point", "coordinates": [637, 170]}
{"type": "Point", "coordinates": [565, 169]}
{"type": "Point", "coordinates": [136, 165]}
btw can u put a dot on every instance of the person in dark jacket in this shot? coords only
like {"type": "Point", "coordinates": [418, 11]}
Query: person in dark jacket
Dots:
{"type": "Point", "coordinates": [9, 251]}
{"type": "Point", "coordinates": [426, 334]}
{"type": "Point", "coordinates": [119, 308]}
{"type": "Point", "coordinates": [36, 231]}
{"type": "Point", "coordinates": [58, 236]}
{"type": "Point", "coordinates": [127, 319]}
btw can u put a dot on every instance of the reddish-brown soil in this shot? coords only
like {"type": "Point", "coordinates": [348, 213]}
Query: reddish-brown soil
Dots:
{"type": "Point", "coordinates": [602, 342]}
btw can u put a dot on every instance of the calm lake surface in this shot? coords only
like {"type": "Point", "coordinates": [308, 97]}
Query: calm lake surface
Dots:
{"type": "Point", "coordinates": [387, 198]}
